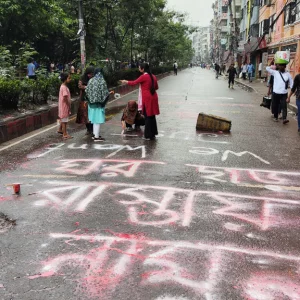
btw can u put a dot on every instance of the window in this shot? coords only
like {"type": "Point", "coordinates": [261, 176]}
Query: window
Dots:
{"type": "Point", "coordinates": [273, 50]}
{"type": "Point", "coordinates": [298, 12]}
{"type": "Point", "coordinates": [262, 2]}
{"type": "Point", "coordinates": [290, 13]}
{"type": "Point", "coordinates": [254, 30]}
{"type": "Point", "coordinates": [292, 48]}
{"type": "Point", "coordinates": [224, 9]}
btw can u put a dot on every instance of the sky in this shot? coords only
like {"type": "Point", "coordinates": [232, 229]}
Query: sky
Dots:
{"type": "Point", "coordinates": [200, 11]}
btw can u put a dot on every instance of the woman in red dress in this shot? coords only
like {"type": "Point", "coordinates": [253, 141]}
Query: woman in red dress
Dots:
{"type": "Point", "coordinates": [149, 87]}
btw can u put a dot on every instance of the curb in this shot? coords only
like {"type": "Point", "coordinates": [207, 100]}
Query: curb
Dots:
{"type": "Point", "coordinates": [249, 87]}
{"type": "Point", "coordinates": [21, 125]}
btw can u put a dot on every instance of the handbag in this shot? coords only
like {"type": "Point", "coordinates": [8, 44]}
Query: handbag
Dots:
{"type": "Point", "coordinates": [267, 100]}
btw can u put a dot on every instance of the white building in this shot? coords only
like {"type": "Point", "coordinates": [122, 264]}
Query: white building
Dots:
{"type": "Point", "coordinates": [201, 45]}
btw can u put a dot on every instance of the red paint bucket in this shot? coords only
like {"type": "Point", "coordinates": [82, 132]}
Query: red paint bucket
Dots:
{"type": "Point", "coordinates": [17, 188]}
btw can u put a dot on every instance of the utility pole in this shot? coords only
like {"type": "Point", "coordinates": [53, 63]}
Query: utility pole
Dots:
{"type": "Point", "coordinates": [81, 33]}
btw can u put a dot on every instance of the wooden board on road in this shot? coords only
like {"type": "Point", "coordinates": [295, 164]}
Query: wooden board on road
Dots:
{"type": "Point", "coordinates": [212, 123]}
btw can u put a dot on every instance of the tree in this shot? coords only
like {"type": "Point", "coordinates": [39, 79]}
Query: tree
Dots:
{"type": "Point", "coordinates": [121, 30]}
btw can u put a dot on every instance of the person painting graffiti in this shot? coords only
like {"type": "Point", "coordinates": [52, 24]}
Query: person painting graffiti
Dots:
{"type": "Point", "coordinates": [64, 105]}
{"type": "Point", "coordinates": [296, 90]}
{"type": "Point", "coordinates": [231, 75]}
{"type": "Point", "coordinates": [131, 116]}
{"type": "Point", "coordinates": [82, 114]}
{"type": "Point", "coordinates": [97, 95]}
{"type": "Point", "coordinates": [149, 86]}
{"type": "Point", "coordinates": [282, 81]}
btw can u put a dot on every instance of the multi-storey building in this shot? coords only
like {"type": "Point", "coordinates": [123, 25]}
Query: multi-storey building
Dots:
{"type": "Point", "coordinates": [201, 45]}
{"type": "Point", "coordinates": [265, 27]}
{"type": "Point", "coordinates": [280, 28]}
{"type": "Point", "coordinates": [227, 14]}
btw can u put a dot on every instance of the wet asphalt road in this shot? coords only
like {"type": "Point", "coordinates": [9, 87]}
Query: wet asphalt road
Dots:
{"type": "Point", "coordinates": [189, 216]}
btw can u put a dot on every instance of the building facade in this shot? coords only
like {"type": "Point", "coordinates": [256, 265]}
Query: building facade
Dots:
{"type": "Point", "coordinates": [263, 27]}
{"type": "Point", "coordinates": [202, 45]}
{"type": "Point", "coordinates": [226, 30]}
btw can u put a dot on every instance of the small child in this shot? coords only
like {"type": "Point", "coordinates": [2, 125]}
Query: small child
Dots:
{"type": "Point", "coordinates": [64, 105]}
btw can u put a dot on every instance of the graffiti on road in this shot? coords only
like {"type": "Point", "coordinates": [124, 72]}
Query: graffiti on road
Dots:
{"type": "Point", "coordinates": [111, 260]}
{"type": "Point", "coordinates": [250, 177]}
{"type": "Point", "coordinates": [105, 167]}
{"type": "Point", "coordinates": [163, 206]}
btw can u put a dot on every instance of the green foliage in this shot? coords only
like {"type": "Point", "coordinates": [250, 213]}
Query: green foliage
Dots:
{"type": "Point", "coordinates": [16, 93]}
{"type": "Point", "coordinates": [10, 90]}
{"type": "Point", "coordinates": [6, 59]}
{"type": "Point", "coordinates": [25, 54]}
{"type": "Point", "coordinates": [121, 30]}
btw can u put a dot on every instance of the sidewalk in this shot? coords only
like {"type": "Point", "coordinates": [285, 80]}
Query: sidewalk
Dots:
{"type": "Point", "coordinates": [260, 87]}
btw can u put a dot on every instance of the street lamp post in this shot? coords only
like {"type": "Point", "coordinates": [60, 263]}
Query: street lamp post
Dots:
{"type": "Point", "coordinates": [81, 33]}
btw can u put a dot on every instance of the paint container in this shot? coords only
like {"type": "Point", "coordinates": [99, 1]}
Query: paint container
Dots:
{"type": "Point", "coordinates": [16, 188]}
{"type": "Point", "coordinates": [117, 96]}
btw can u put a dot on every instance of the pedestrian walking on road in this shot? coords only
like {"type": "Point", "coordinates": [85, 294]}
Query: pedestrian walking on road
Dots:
{"type": "Point", "coordinates": [82, 114]}
{"type": "Point", "coordinates": [250, 71]}
{"type": "Point", "coordinates": [217, 69]}
{"type": "Point", "coordinates": [97, 95]}
{"type": "Point", "coordinates": [175, 68]}
{"type": "Point", "coordinates": [231, 75]}
{"type": "Point", "coordinates": [223, 69]}
{"type": "Point", "coordinates": [282, 81]}
{"type": "Point", "coordinates": [244, 70]}
{"type": "Point", "coordinates": [149, 86]}
{"type": "Point", "coordinates": [296, 90]}
{"type": "Point", "coordinates": [64, 105]}
{"type": "Point", "coordinates": [260, 69]}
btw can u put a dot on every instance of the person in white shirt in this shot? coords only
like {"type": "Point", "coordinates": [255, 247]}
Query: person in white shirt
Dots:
{"type": "Point", "coordinates": [244, 70]}
{"type": "Point", "coordinates": [282, 81]}
{"type": "Point", "coordinates": [175, 67]}
{"type": "Point", "coordinates": [260, 69]}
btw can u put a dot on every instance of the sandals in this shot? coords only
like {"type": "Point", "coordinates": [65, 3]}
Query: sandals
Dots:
{"type": "Point", "coordinates": [60, 132]}
{"type": "Point", "coordinates": [67, 137]}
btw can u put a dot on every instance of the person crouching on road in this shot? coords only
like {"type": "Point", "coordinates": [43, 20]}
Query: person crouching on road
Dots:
{"type": "Point", "coordinates": [149, 86]}
{"type": "Point", "coordinates": [64, 105]}
{"type": "Point", "coordinates": [282, 80]}
{"type": "Point", "coordinates": [296, 90]}
{"type": "Point", "coordinates": [97, 95]}
{"type": "Point", "coordinates": [231, 75]}
{"type": "Point", "coordinates": [131, 116]}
